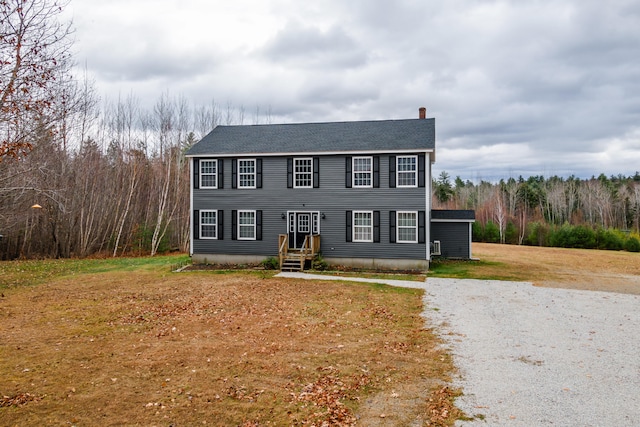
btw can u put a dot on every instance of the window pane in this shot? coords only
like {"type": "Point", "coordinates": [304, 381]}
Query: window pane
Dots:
{"type": "Point", "coordinates": [246, 173]}
{"type": "Point", "coordinates": [303, 171]}
{"type": "Point", "coordinates": [246, 225]}
{"type": "Point", "coordinates": [407, 223]}
{"type": "Point", "coordinates": [208, 224]}
{"type": "Point", "coordinates": [406, 219]}
{"type": "Point", "coordinates": [208, 166]}
{"type": "Point", "coordinates": [407, 171]}
{"type": "Point", "coordinates": [407, 234]}
{"type": "Point", "coordinates": [362, 171]}
{"type": "Point", "coordinates": [362, 227]}
{"type": "Point", "coordinates": [208, 169]}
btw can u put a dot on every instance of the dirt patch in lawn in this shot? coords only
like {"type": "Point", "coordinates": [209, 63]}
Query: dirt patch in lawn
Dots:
{"type": "Point", "coordinates": [587, 269]}
{"type": "Point", "coordinates": [233, 349]}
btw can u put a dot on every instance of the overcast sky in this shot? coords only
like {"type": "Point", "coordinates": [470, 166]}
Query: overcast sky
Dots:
{"type": "Point", "coordinates": [518, 87]}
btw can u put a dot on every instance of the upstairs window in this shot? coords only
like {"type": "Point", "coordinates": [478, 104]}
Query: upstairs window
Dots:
{"type": "Point", "coordinates": [208, 173]}
{"type": "Point", "coordinates": [303, 173]}
{"type": "Point", "coordinates": [407, 171]}
{"type": "Point", "coordinates": [363, 172]}
{"type": "Point", "coordinates": [247, 173]}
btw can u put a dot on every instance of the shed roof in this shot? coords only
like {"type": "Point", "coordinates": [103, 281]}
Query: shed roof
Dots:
{"type": "Point", "coordinates": [453, 214]}
{"type": "Point", "coordinates": [320, 138]}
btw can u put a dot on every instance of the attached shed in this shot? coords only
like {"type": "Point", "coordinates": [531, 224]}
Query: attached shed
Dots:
{"type": "Point", "coordinates": [452, 228]}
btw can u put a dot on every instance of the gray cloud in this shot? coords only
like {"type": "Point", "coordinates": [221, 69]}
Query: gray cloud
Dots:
{"type": "Point", "coordinates": [308, 47]}
{"type": "Point", "coordinates": [517, 87]}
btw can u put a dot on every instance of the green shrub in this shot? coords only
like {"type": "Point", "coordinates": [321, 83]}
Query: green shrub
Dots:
{"type": "Point", "coordinates": [491, 232]}
{"type": "Point", "coordinates": [560, 237]}
{"type": "Point", "coordinates": [610, 239]}
{"type": "Point", "coordinates": [511, 234]}
{"type": "Point", "coordinates": [632, 244]}
{"type": "Point", "coordinates": [582, 237]}
{"type": "Point", "coordinates": [579, 236]}
{"type": "Point", "coordinates": [538, 234]}
{"type": "Point", "coordinates": [270, 263]}
{"type": "Point", "coordinates": [477, 232]}
{"type": "Point", "coordinates": [319, 263]}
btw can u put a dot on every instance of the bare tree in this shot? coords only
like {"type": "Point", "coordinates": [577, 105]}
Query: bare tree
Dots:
{"type": "Point", "coordinates": [499, 210]}
{"type": "Point", "coordinates": [634, 205]}
{"type": "Point", "coordinates": [34, 56]}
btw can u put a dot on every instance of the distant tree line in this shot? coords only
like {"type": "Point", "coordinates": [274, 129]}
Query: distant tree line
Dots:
{"type": "Point", "coordinates": [108, 180]}
{"type": "Point", "coordinates": [601, 212]}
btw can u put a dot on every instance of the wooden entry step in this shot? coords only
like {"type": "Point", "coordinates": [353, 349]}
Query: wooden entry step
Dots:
{"type": "Point", "coordinates": [293, 262]}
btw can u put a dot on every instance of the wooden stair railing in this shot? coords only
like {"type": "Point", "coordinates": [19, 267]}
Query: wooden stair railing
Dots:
{"type": "Point", "coordinates": [294, 260]}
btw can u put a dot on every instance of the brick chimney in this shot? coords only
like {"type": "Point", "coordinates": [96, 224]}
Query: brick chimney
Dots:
{"type": "Point", "coordinates": [422, 113]}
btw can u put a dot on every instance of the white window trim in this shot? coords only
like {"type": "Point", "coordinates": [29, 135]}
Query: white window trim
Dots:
{"type": "Point", "coordinates": [246, 225]}
{"type": "Point", "coordinates": [353, 227]}
{"type": "Point", "coordinates": [398, 172]}
{"type": "Point", "coordinates": [202, 174]}
{"type": "Point", "coordinates": [255, 175]}
{"type": "Point", "coordinates": [214, 225]}
{"type": "Point", "coordinates": [295, 173]}
{"type": "Point", "coordinates": [398, 227]}
{"type": "Point", "coordinates": [353, 172]}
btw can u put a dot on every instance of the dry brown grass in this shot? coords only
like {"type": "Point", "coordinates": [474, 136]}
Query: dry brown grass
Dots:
{"type": "Point", "coordinates": [198, 348]}
{"type": "Point", "coordinates": [588, 269]}
{"type": "Point", "coordinates": [149, 347]}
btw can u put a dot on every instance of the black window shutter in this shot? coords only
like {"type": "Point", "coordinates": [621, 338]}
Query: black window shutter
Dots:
{"type": "Point", "coordinates": [220, 225]}
{"type": "Point", "coordinates": [196, 173]}
{"type": "Point", "coordinates": [376, 171]}
{"type": "Point", "coordinates": [258, 173]}
{"type": "Point", "coordinates": [421, 174]}
{"type": "Point", "coordinates": [234, 225]}
{"type": "Point", "coordinates": [316, 172]}
{"type": "Point", "coordinates": [376, 226]}
{"type": "Point", "coordinates": [258, 225]}
{"type": "Point", "coordinates": [289, 172]}
{"type": "Point", "coordinates": [234, 173]}
{"type": "Point", "coordinates": [392, 171]}
{"type": "Point", "coordinates": [220, 173]}
{"type": "Point", "coordinates": [347, 173]}
{"type": "Point", "coordinates": [392, 226]}
{"type": "Point", "coordinates": [196, 224]}
{"type": "Point", "coordinates": [349, 218]}
{"type": "Point", "coordinates": [421, 227]}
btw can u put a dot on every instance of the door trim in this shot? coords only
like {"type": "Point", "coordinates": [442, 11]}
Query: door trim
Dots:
{"type": "Point", "coordinates": [292, 224]}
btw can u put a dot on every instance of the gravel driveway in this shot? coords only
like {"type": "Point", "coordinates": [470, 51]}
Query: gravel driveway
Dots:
{"type": "Point", "coordinates": [531, 356]}
{"type": "Point", "coordinates": [538, 356]}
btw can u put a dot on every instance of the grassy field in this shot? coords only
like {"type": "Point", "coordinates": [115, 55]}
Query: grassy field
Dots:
{"type": "Point", "coordinates": [129, 342]}
{"type": "Point", "coordinates": [587, 269]}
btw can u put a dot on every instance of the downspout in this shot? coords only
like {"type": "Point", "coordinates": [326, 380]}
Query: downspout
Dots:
{"type": "Point", "coordinates": [192, 219]}
{"type": "Point", "coordinates": [427, 226]}
{"type": "Point", "coordinates": [470, 238]}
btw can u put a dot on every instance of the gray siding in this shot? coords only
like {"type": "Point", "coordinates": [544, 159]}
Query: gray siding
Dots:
{"type": "Point", "coordinates": [332, 199]}
{"type": "Point", "coordinates": [455, 238]}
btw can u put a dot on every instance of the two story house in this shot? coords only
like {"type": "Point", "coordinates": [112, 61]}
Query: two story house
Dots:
{"type": "Point", "coordinates": [357, 192]}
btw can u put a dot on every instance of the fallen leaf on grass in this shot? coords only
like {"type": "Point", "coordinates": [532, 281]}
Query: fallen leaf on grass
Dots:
{"type": "Point", "coordinates": [19, 399]}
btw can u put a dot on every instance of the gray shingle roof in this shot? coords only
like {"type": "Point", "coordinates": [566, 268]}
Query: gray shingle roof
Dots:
{"type": "Point", "coordinates": [384, 135]}
{"type": "Point", "coordinates": [450, 214]}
